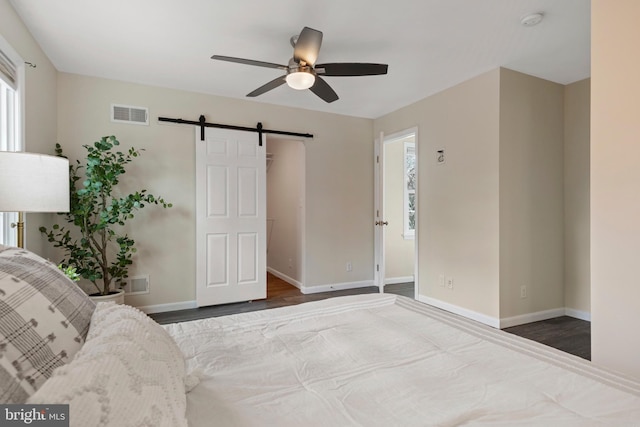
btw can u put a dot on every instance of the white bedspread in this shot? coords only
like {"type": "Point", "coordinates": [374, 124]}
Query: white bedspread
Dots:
{"type": "Point", "coordinates": [383, 360]}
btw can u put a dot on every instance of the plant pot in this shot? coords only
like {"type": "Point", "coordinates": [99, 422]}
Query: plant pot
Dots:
{"type": "Point", "coordinates": [117, 296]}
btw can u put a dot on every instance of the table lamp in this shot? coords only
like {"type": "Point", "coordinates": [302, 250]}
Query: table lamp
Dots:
{"type": "Point", "coordinates": [31, 182]}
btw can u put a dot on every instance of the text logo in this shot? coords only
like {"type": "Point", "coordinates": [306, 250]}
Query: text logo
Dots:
{"type": "Point", "coordinates": [34, 415]}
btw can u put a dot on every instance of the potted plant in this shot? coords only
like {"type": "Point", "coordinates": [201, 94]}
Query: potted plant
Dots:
{"type": "Point", "coordinates": [101, 253]}
{"type": "Point", "coordinates": [70, 272]}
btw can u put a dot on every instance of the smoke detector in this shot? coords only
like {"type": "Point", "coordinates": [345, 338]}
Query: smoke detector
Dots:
{"type": "Point", "coordinates": [531, 20]}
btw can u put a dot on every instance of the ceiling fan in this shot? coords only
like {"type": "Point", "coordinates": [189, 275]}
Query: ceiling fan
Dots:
{"type": "Point", "coordinates": [303, 72]}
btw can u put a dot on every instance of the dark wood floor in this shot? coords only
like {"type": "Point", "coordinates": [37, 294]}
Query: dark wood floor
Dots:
{"type": "Point", "coordinates": [279, 294]}
{"type": "Point", "coordinates": [564, 333]}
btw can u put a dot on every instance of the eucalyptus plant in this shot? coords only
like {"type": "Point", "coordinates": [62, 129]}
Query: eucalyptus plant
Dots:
{"type": "Point", "coordinates": [102, 254]}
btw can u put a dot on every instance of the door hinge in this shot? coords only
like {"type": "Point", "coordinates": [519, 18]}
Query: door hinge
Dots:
{"type": "Point", "coordinates": [377, 159]}
{"type": "Point", "coordinates": [377, 214]}
{"type": "Point", "coordinates": [378, 267]}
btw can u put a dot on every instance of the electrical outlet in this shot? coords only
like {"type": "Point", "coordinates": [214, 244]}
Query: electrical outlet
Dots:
{"type": "Point", "coordinates": [349, 266]}
{"type": "Point", "coordinates": [290, 262]}
{"type": "Point", "coordinates": [441, 280]}
{"type": "Point", "coordinates": [523, 291]}
{"type": "Point", "coordinates": [450, 282]}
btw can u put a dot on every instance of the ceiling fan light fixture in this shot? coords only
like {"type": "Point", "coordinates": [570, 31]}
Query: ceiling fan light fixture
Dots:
{"type": "Point", "coordinates": [300, 80]}
{"type": "Point", "coordinates": [301, 72]}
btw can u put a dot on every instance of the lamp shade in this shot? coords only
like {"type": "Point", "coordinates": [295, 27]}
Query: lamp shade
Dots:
{"type": "Point", "coordinates": [32, 182]}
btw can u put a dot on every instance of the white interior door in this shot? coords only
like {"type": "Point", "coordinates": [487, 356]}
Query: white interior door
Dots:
{"type": "Point", "coordinates": [230, 217]}
{"type": "Point", "coordinates": [378, 214]}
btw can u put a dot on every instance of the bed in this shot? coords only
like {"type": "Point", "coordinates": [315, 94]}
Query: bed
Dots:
{"type": "Point", "coordinates": [364, 360]}
{"type": "Point", "coordinates": [370, 360]}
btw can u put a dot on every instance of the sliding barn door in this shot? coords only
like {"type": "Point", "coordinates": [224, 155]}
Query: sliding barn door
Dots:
{"type": "Point", "coordinates": [230, 217]}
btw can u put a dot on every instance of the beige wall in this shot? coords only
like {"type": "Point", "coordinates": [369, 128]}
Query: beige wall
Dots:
{"type": "Point", "coordinates": [458, 200]}
{"type": "Point", "coordinates": [615, 189]}
{"type": "Point", "coordinates": [458, 203]}
{"type": "Point", "coordinates": [285, 201]}
{"type": "Point", "coordinates": [399, 252]}
{"type": "Point", "coordinates": [40, 105]}
{"type": "Point", "coordinates": [577, 267]}
{"type": "Point", "coordinates": [492, 216]}
{"type": "Point", "coordinates": [339, 177]}
{"type": "Point", "coordinates": [531, 194]}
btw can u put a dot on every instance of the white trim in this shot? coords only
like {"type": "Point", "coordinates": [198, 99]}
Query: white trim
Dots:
{"type": "Point", "coordinates": [469, 314]}
{"type": "Point", "coordinates": [284, 277]}
{"type": "Point", "coordinates": [303, 217]}
{"type": "Point", "coordinates": [336, 287]}
{"type": "Point", "coordinates": [161, 308]}
{"type": "Point", "coordinates": [400, 134]}
{"type": "Point", "coordinates": [582, 315]}
{"type": "Point", "coordinates": [416, 247]}
{"type": "Point", "coordinates": [508, 322]}
{"type": "Point", "coordinates": [395, 280]}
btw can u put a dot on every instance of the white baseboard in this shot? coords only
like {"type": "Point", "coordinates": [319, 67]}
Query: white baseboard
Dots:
{"type": "Point", "coordinates": [394, 280]}
{"type": "Point", "coordinates": [284, 277]}
{"type": "Point", "coordinates": [336, 287]}
{"type": "Point", "coordinates": [508, 322]}
{"type": "Point", "coordinates": [320, 288]}
{"type": "Point", "coordinates": [469, 314]}
{"type": "Point", "coordinates": [582, 315]}
{"type": "Point", "coordinates": [183, 305]}
{"type": "Point", "coordinates": [161, 308]}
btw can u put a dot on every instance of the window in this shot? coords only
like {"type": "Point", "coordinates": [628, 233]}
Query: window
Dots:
{"type": "Point", "coordinates": [409, 190]}
{"type": "Point", "coordinates": [9, 126]}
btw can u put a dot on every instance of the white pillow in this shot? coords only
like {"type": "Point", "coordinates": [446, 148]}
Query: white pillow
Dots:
{"type": "Point", "coordinates": [129, 372]}
{"type": "Point", "coordinates": [44, 319]}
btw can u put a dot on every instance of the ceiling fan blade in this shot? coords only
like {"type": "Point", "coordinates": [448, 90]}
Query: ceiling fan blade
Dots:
{"type": "Point", "coordinates": [308, 46]}
{"type": "Point", "coordinates": [249, 62]}
{"type": "Point", "coordinates": [351, 69]}
{"type": "Point", "coordinates": [269, 86]}
{"type": "Point", "coordinates": [323, 90]}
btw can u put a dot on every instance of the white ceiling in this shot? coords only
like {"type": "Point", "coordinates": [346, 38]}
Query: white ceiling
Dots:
{"type": "Point", "coordinates": [429, 44]}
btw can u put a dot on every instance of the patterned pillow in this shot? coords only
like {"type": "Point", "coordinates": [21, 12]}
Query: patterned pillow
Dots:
{"type": "Point", "coordinates": [44, 319]}
{"type": "Point", "coordinates": [129, 372]}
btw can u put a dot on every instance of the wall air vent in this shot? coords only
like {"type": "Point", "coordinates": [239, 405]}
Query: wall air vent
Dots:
{"type": "Point", "coordinates": [137, 285]}
{"type": "Point", "coordinates": [129, 114]}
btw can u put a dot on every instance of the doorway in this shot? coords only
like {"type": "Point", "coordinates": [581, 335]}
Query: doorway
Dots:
{"type": "Point", "coordinates": [397, 205]}
{"type": "Point", "coordinates": [285, 213]}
